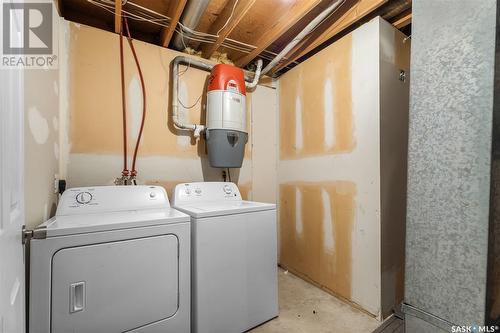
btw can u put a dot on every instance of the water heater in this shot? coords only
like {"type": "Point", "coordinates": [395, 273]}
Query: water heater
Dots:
{"type": "Point", "coordinates": [226, 132]}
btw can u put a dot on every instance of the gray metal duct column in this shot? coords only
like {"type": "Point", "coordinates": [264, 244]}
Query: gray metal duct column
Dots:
{"type": "Point", "coordinates": [449, 164]}
{"type": "Point", "coordinates": [190, 18]}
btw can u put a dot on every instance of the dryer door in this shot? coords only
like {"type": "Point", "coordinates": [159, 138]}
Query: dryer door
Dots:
{"type": "Point", "coordinates": [114, 287]}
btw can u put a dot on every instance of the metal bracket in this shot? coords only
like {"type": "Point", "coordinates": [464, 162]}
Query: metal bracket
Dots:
{"type": "Point", "coordinates": [402, 75]}
{"type": "Point", "coordinates": [37, 233]}
{"type": "Point", "coordinates": [410, 310]}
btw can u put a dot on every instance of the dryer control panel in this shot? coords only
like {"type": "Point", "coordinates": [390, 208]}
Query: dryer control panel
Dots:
{"type": "Point", "coordinates": [205, 191]}
{"type": "Point", "coordinates": [98, 199]}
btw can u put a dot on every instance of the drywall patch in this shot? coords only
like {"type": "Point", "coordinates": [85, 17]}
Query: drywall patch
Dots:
{"type": "Point", "coordinates": [38, 126]}
{"type": "Point", "coordinates": [328, 114]}
{"type": "Point", "coordinates": [56, 150]}
{"type": "Point", "coordinates": [322, 123]}
{"type": "Point", "coordinates": [299, 140]}
{"type": "Point", "coordinates": [328, 235]}
{"type": "Point", "coordinates": [298, 212]}
{"type": "Point", "coordinates": [55, 123]}
{"type": "Point", "coordinates": [134, 107]}
{"type": "Point", "coordinates": [320, 203]}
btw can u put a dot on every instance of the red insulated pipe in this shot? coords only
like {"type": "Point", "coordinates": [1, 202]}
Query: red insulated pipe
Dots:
{"type": "Point", "coordinates": [125, 171]}
{"type": "Point", "coordinates": [134, 171]}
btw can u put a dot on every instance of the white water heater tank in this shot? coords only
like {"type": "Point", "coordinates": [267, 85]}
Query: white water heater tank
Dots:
{"type": "Point", "coordinates": [226, 132]}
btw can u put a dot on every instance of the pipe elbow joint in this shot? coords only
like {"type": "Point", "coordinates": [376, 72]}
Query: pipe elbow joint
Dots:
{"type": "Point", "coordinates": [197, 130]}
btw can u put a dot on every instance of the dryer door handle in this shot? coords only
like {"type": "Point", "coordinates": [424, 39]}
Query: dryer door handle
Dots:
{"type": "Point", "coordinates": [77, 297]}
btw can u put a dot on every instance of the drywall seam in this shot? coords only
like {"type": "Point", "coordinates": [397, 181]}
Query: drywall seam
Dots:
{"type": "Point", "coordinates": [64, 91]}
{"type": "Point", "coordinates": [329, 120]}
{"type": "Point", "coordinates": [168, 168]}
{"type": "Point", "coordinates": [38, 125]}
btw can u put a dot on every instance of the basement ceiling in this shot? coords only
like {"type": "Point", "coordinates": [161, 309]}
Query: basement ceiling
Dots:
{"type": "Point", "coordinates": [238, 31]}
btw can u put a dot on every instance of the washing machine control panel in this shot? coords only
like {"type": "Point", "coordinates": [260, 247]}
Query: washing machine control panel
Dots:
{"type": "Point", "coordinates": [84, 200]}
{"type": "Point", "coordinates": [205, 191]}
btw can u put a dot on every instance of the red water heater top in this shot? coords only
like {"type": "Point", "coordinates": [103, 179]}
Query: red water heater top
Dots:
{"type": "Point", "coordinates": [227, 77]}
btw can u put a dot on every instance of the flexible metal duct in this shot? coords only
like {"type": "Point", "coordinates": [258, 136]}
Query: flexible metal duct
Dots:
{"type": "Point", "coordinates": [190, 18]}
{"type": "Point", "coordinates": [308, 29]}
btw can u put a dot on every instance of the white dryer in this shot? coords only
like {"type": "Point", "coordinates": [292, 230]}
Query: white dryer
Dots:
{"type": "Point", "coordinates": [234, 257]}
{"type": "Point", "coordinates": [113, 259]}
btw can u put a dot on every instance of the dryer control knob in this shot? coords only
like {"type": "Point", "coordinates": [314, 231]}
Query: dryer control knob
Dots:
{"type": "Point", "coordinates": [227, 189]}
{"type": "Point", "coordinates": [83, 197]}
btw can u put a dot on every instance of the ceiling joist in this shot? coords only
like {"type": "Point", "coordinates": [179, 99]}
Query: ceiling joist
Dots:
{"type": "Point", "coordinates": [225, 23]}
{"type": "Point", "coordinates": [256, 28]}
{"type": "Point", "coordinates": [285, 22]}
{"type": "Point", "coordinates": [319, 36]}
{"type": "Point", "coordinates": [403, 20]}
{"type": "Point", "coordinates": [175, 14]}
{"type": "Point", "coordinates": [118, 16]}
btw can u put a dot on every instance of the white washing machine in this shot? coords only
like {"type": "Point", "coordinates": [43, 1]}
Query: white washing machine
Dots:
{"type": "Point", "coordinates": [113, 259]}
{"type": "Point", "coordinates": [234, 257]}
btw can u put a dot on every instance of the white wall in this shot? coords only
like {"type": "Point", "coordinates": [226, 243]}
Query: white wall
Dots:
{"type": "Point", "coordinates": [42, 135]}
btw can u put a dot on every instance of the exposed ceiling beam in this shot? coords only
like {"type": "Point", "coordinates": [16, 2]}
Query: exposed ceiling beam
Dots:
{"type": "Point", "coordinates": [319, 36]}
{"type": "Point", "coordinates": [175, 14]}
{"type": "Point", "coordinates": [118, 16]}
{"type": "Point", "coordinates": [241, 8]}
{"type": "Point", "coordinates": [403, 20]}
{"type": "Point", "coordinates": [285, 22]}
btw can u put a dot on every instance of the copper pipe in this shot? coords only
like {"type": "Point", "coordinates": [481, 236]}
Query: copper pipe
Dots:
{"type": "Point", "coordinates": [143, 86]}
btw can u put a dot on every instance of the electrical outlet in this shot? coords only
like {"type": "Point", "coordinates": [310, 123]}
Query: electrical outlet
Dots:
{"type": "Point", "coordinates": [56, 183]}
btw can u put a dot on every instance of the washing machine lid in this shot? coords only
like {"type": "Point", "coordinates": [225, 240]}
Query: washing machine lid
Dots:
{"type": "Point", "coordinates": [79, 224]}
{"type": "Point", "coordinates": [216, 208]}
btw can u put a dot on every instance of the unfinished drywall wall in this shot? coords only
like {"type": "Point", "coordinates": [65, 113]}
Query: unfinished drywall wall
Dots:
{"type": "Point", "coordinates": [331, 126]}
{"type": "Point", "coordinates": [41, 141]}
{"type": "Point", "coordinates": [264, 118]}
{"type": "Point", "coordinates": [167, 156]}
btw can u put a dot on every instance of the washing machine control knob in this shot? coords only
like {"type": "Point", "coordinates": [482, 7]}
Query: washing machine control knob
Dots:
{"type": "Point", "coordinates": [227, 189]}
{"type": "Point", "coordinates": [83, 197]}
{"type": "Point", "coordinates": [188, 191]}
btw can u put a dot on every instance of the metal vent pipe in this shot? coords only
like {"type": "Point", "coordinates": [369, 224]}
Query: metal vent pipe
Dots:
{"type": "Point", "coordinates": [190, 18]}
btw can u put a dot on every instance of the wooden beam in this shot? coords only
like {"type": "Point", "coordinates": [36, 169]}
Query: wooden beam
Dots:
{"type": "Point", "coordinates": [285, 22]}
{"type": "Point", "coordinates": [167, 33]}
{"type": "Point", "coordinates": [242, 7]}
{"type": "Point", "coordinates": [403, 21]}
{"type": "Point", "coordinates": [118, 16]}
{"type": "Point", "coordinates": [319, 36]}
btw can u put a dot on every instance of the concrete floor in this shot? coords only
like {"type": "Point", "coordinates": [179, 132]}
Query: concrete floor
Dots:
{"type": "Point", "coordinates": [305, 308]}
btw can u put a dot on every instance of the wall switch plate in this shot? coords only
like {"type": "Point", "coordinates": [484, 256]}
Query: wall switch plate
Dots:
{"type": "Point", "coordinates": [56, 183]}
